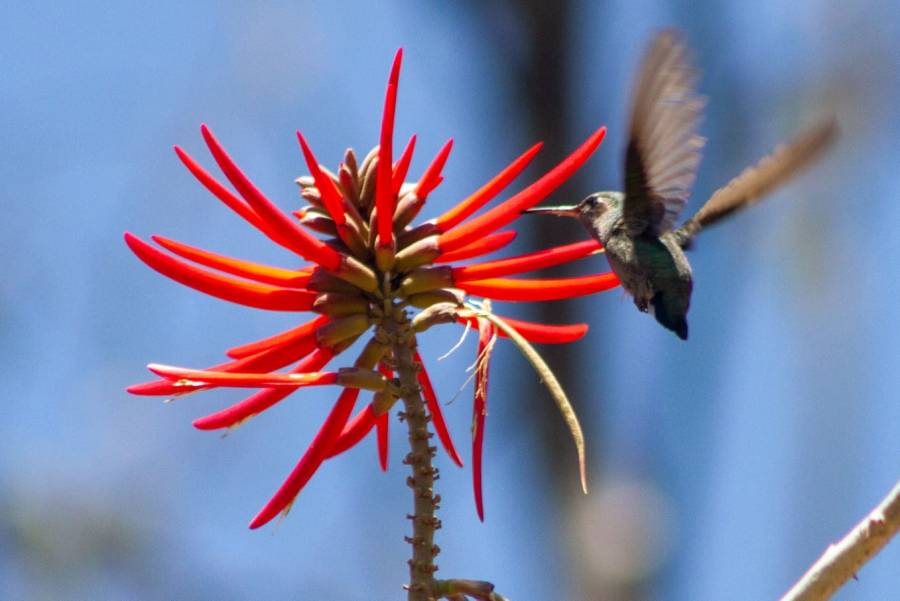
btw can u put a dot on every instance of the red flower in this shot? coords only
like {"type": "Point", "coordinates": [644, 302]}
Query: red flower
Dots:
{"type": "Point", "coordinates": [372, 263]}
{"type": "Point", "coordinates": [486, 340]}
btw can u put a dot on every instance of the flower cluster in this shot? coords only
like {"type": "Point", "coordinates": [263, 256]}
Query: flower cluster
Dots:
{"type": "Point", "coordinates": [368, 274]}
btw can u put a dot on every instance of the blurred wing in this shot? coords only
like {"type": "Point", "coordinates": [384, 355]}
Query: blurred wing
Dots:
{"type": "Point", "coordinates": [755, 182]}
{"type": "Point", "coordinates": [663, 147]}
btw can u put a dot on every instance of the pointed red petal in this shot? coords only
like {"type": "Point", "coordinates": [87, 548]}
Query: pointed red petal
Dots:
{"type": "Point", "coordinates": [355, 430]}
{"type": "Point", "coordinates": [301, 241]}
{"type": "Point", "coordinates": [437, 416]}
{"type": "Point", "coordinates": [381, 430]}
{"type": "Point", "coordinates": [286, 337]}
{"type": "Point", "coordinates": [262, 400]}
{"type": "Point", "coordinates": [222, 193]}
{"type": "Point", "coordinates": [530, 196]}
{"type": "Point", "coordinates": [540, 290]}
{"type": "Point", "coordinates": [381, 425]}
{"type": "Point", "coordinates": [487, 192]}
{"type": "Point", "coordinates": [527, 262]}
{"type": "Point", "coordinates": [479, 411]}
{"type": "Point", "coordinates": [267, 274]}
{"type": "Point", "coordinates": [488, 244]}
{"type": "Point", "coordinates": [313, 457]}
{"type": "Point", "coordinates": [331, 195]}
{"type": "Point", "coordinates": [430, 179]}
{"type": "Point", "coordinates": [401, 167]}
{"type": "Point", "coordinates": [261, 296]}
{"type": "Point", "coordinates": [538, 333]}
{"type": "Point", "coordinates": [384, 197]}
{"type": "Point", "coordinates": [192, 378]}
{"type": "Point", "coordinates": [262, 362]}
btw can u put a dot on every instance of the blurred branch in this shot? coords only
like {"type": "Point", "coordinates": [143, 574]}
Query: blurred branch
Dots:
{"type": "Point", "coordinates": [842, 560]}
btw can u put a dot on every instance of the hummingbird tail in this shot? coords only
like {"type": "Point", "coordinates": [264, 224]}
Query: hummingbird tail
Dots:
{"type": "Point", "coordinates": [669, 319]}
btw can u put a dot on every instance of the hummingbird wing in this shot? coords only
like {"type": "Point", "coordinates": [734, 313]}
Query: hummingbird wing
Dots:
{"type": "Point", "coordinates": [663, 147]}
{"type": "Point", "coordinates": [753, 183]}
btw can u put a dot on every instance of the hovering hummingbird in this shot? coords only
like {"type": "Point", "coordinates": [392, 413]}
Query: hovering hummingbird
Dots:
{"type": "Point", "coordinates": [635, 227]}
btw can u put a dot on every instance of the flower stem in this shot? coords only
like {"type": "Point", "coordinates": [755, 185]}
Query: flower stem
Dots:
{"type": "Point", "coordinates": [421, 566]}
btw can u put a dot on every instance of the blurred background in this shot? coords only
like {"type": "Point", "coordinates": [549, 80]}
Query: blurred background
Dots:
{"type": "Point", "coordinates": [720, 468]}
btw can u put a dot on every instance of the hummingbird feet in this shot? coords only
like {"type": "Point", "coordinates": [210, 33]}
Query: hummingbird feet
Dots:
{"type": "Point", "coordinates": [642, 304]}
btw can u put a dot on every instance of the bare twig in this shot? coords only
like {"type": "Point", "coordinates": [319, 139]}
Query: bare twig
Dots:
{"type": "Point", "coordinates": [842, 560]}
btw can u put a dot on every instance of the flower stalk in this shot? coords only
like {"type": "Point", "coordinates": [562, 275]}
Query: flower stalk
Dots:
{"type": "Point", "coordinates": [398, 330]}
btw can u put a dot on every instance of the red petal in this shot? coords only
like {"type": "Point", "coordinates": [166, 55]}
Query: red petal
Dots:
{"type": "Point", "coordinates": [233, 202]}
{"type": "Point", "coordinates": [488, 244]}
{"type": "Point", "coordinates": [530, 196]}
{"type": "Point", "coordinates": [429, 180]}
{"type": "Point", "coordinates": [540, 290]}
{"type": "Point", "coordinates": [537, 332]}
{"type": "Point", "coordinates": [262, 362]}
{"type": "Point", "coordinates": [528, 262]}
{"type": "Point", "coordinates": [479, 411]}
{"type": "Point", "coordinates": [381, 430]}
{"type": "Point", "coordinates": [401, 167]}
{"type": "Point", "coordinates": [331, 195]}
{"type": "Point", "coordinates": [384, 197]}
{"type": "Point", "coordinates": [190, 378]}
{"type": "Point", "coordinates": [262, 400]}
{"type": "Point", "coordinates": [381, 425]}
{"type": "Point", "coordinates": [287, 229]}
{"type": "Point", "coordinates": [354, 431]}
{"type": "Point", "coordinates": [261, 296]}
{"type": "Point", "coordinates": [483, 195]}
{"type": "Point", "coordinates": [437, 416]}
{"type": "Point", "coordinates": [286, 337]}
{"type": "Point", "coordinates": [288, 278]}
{"type": "Point", "coordinates": [313, 457]}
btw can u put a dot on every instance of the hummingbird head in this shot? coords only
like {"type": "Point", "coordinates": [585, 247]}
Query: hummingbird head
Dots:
{"type": "Point", "coordinates": [588, 210]}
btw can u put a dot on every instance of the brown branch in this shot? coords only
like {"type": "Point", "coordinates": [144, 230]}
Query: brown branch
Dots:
{"type": "Point", "coordinates": [842, 560]}
{"type": "Point", "coordinates": [398, 330]}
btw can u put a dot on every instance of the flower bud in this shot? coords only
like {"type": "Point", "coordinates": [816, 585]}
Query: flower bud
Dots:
{"type": "Point", "coordinates": [426, 278]}
{"type": "Point", "coordinates": [429, 228]}
{"type": "Point", "coordinates": [418, 253]}
{"type": "Point", "coordinates": [341, 328]}
{"type": "Point", "coordinates": [383, 401]}
{"type": "Point", "coordinates": [312, 195]}
{"type": "Point", "coordinates": [325, 281]}
{"type": "Point", "coordinates": [441, 295]}
{"type": "Point", "coordinates": [359, 377]}
{"type": "Point", "coordinates": [305, 181]}
{"type": "Point", "coordinates": [434, 315]}
{"type": "Point", "coordinates": [368, 175]}
{"type": "Point", "coordinates": [348, 184]}
{"type": "Point", "coordinates": [349, 234]}
{"type": "Point", "coordinates": [371, 354]}
{"type": "Point", "coordinates": [408, 207]}
{"type": "Point", "coordinates": [317, 220]}
{"type": "Point", "coordinates": [336, 304]}
{"type": "Point", "coordinates": [357, 273]}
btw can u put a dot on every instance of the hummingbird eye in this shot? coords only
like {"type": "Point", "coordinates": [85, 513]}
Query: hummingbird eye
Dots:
{"type": "Point", "coordinates": [594, 203]}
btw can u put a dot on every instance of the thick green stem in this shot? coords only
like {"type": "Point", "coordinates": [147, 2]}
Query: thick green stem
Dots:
{"type": "Point", "coordinates": [421, 566]}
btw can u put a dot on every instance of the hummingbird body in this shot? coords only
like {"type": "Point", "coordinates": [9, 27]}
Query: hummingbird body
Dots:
{"type": "Point", "coordinates": [637, 227]}
{"type": "Point", "coordinates": [653, 269]}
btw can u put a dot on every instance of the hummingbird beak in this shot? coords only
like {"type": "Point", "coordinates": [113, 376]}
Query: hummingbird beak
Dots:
{"type": "Point", "coordinates": [561, 211]}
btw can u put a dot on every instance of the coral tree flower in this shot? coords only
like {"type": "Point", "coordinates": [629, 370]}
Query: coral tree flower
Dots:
{"type": "Point", "coordinates": [370, 263]}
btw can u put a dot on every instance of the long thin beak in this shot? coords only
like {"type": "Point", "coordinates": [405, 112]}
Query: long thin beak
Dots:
{"type": "Point", "coordinates": [561, 211]}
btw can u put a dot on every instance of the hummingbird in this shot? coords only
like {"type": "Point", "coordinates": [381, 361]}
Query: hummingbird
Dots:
{"type": "Point", "coordinates": [637, 227]}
